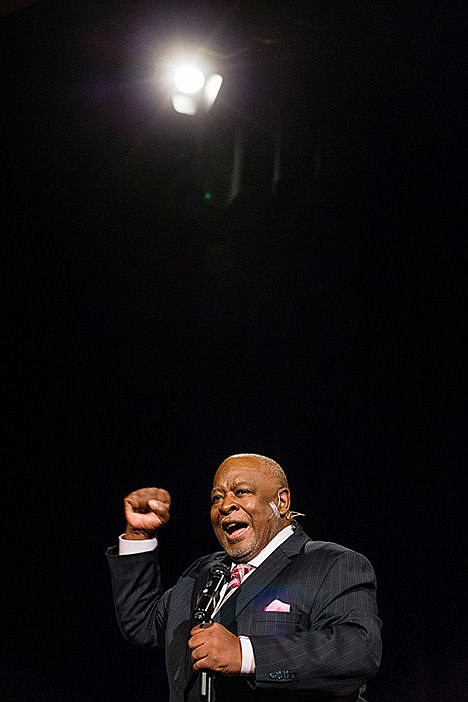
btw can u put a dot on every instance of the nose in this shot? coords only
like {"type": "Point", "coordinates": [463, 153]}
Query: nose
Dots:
{"type": "Point", "coordinates": [228, 504]}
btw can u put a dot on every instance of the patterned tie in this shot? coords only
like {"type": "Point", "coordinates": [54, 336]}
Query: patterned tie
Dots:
{"type": "Point", "coordinates": [238, 573]}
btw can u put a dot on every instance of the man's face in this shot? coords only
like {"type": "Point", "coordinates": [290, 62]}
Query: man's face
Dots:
{"type": "Point", "coordinates": [242, 518]}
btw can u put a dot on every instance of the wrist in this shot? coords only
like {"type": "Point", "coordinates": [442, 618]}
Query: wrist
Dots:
{"type": "Point", "coordinates": [138, 534]}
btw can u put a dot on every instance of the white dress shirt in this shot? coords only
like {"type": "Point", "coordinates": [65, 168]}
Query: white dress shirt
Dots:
{"type": "Point", "coordinates": [127, 547]}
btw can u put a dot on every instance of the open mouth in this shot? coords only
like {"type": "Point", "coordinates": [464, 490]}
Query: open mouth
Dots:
{"type": "Point", "coordinates": [235, 530]}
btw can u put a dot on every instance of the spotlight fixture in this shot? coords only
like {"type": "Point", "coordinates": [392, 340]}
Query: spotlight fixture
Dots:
{"type": "Point", "coordinates": [193, 87]}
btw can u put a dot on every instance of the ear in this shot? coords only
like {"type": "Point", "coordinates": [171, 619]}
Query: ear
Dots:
{"type": "Point", "coordinates": [284, 501]}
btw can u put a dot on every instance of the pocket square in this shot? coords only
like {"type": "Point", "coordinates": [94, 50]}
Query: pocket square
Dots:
{"type": "Point", "coordinates": [278, 606]}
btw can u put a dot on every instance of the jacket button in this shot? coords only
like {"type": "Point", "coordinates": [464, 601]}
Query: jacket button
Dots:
{"type": "Point", "coordinates": [281, 675]}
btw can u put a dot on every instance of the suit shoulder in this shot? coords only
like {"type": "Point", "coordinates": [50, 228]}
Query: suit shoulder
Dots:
{"type": "Point", "coordinates": [331, 551]}
{"type": "Point", "coordinates": [306, 544]}
{"type": "Point", "coordinates": [328, 547]}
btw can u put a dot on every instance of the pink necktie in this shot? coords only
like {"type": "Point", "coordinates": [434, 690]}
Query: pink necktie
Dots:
{"type": "Point", "coordinates": [238, 573]}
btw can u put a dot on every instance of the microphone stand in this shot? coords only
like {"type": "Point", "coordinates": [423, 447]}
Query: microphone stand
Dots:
{"type": "Point", "coordinates": [218, 576]}
{"type": "Point", "coordinates": [207, 676]}
{"type": "Point", "coordinates": [206, 685]}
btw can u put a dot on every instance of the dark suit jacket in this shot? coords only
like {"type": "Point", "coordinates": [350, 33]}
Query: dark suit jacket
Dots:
{"type": "Point", "coordinates": [327, 646]}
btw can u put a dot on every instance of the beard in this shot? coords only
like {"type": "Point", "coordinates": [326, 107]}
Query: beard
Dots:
{"type": "Point", "coordinates": [242, 550]}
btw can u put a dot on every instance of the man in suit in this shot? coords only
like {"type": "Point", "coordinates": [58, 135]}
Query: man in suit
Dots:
{"type": "Point", "coordinates": [302, 624]}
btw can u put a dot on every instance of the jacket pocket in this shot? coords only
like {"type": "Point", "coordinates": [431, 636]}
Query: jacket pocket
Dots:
{"type": "Point", "coordinates": [276, 623]}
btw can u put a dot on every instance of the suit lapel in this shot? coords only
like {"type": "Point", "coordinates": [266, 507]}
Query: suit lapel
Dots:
{"type": "Point", "coordinates": [261, 578]}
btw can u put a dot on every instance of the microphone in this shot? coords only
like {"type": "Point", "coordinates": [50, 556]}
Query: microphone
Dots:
{"type": "Point", "coordinates": [218, 575]}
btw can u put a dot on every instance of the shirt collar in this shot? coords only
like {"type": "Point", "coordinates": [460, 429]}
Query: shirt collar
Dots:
{"type": "Point", "coordinates": [272, 545]}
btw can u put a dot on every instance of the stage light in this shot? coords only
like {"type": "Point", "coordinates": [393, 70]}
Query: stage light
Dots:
{"type": "Point", "coordinates": [212, 88]}
{"type": "Point", "coordinates": [193, 85]}
{"type": "Point", "coordinates": [184, 104]}
{"type": "Point", "coordinates": [189, 79]}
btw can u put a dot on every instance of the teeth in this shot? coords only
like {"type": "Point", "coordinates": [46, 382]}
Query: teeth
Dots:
{"type": "Point", "coordinates": [232, 526]}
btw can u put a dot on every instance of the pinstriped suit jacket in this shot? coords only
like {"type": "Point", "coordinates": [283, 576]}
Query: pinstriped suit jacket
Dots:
{"type": "Point", "coordinates": [326, 647]}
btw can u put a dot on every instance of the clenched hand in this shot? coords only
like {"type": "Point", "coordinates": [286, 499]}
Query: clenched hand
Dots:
{"type": "Point", "coordinates": [215, 648]}
{"type": "Point", "coordinates": [146, 511]}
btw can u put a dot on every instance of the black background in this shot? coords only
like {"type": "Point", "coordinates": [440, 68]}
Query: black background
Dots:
{"type": "Point", "coordinates": [149, 334]}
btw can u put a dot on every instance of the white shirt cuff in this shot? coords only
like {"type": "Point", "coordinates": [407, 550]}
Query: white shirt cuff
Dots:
{"type": "Point", "coordinates": [127, 547]}
{"type": "Point", "coordinates": [248, 658]}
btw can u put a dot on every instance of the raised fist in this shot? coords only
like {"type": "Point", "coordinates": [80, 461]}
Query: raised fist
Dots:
{"type": "Point", "coordinates": [146, 511]}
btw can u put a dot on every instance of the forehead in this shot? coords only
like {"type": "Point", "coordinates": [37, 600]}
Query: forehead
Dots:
{"type": "Point", "coordinates": [242, 469]}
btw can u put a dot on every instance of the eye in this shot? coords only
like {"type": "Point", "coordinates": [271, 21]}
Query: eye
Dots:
{"type": "Point", "coordinates": [242, 491]}
{"type": "Point", "coordinates": [216, 498]}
